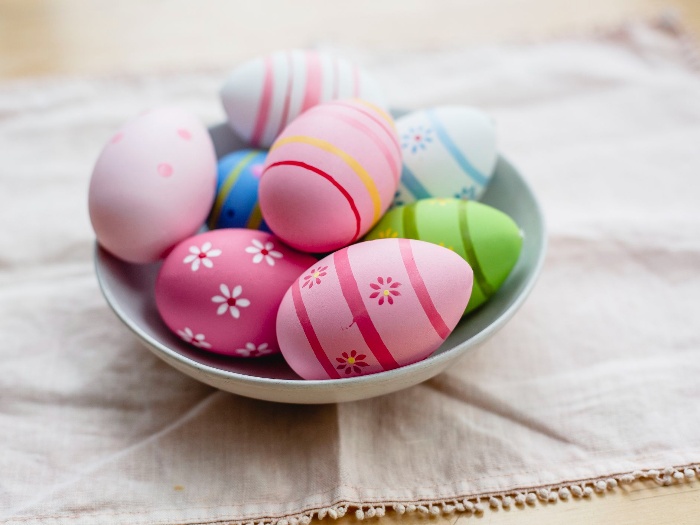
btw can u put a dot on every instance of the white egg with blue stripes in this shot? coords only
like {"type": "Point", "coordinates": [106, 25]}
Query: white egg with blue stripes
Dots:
{"type": "Point", "coordinates": [447, 151]}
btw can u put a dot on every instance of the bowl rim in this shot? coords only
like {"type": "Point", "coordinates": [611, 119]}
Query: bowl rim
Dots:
{"type": "Point", "coordinates": [433, 361]}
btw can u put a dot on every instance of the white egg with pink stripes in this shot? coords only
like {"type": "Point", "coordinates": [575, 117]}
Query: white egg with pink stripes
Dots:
{"type": "Point", "coordinates": [265, 94]}
{"type": "Point", "coordinates": [372, 307]}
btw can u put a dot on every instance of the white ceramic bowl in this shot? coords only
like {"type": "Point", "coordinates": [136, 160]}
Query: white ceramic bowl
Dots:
{"type": "Point", "coordinates": [128, 290]}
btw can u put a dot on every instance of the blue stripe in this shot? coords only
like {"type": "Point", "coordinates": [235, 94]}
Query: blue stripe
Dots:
{"type": "Point", "coordinates": [466, 166]}
{"type": "Point", "coordinates": [412, 184]}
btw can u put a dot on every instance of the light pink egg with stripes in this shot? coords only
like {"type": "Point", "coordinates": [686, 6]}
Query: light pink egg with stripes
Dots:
{"type": "Point", "coordinates": [265, 94]}
{"type": "Point", "coordinates": [371, 307]}
{"type": "Point", "coordinates": [152, 185]}
{"type": "Point", "coordinates": [220, 290]}
{"type": "Point", "coordinates": [330, 175]}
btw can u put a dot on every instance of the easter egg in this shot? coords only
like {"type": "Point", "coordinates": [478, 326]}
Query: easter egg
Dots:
{"type": "Point", "coordinates": [448, 151]}
{"type": "Point", "coordinates": [372, 306]}
{"type": "Point", "coordinates": [236, 202]}
{"type": "Point", "coordinates": [488, 239]}
{"type": "Point", "coordinates": [152, 185]}
{"type": "Point", "coordinates": [265, 94]}
{"type": "Point", "coordinates": [220, 290]}
{"type": "Point", "coordinates": [330, 175]}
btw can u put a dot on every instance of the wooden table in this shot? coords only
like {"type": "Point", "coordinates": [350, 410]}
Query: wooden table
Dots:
{"type": "Point", "coordinates": [47, 37]}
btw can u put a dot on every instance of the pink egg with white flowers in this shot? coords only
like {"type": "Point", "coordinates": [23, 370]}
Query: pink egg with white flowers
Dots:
{"type": "Point", "coordinates": [220, 290]}
{"type": "Point", "coordinates": [330, 175]}
{"type": "Point", "coordinates": [371, 307]}
{"type": "Point", "coordinates": [152, 185]}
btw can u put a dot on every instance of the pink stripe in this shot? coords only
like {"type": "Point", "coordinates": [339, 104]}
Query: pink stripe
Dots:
{"type": "Point", "coordinates": [355, 81]}
{"type": "Point", "coordinates": [310, 333]}
{"type": "Point", "coordinates": [264, 109]}
{"type": "Point", "coordinates": [421, 290]}
{"type": "Point", "coordinates": [314, 79]}
{"type": "Point", "coordinates": [391, 159]}
{"type": "Point", "coordinates": [381, 122]}
{"type": "Point", "coordinates": [359, 313]}
{"type": "Point", "coordinates": [287, 94]}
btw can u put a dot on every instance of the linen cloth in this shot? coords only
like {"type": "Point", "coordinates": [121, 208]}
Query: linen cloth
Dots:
{"type": "Point", "coordinates": [595, 377]}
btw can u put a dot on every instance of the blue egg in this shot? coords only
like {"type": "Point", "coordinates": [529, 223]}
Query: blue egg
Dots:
{"type": "Point", "coordinates": [236, 204]}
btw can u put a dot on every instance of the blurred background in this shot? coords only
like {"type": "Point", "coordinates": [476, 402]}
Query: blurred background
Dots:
{"type": "Point", "coordinates": [67, 37]}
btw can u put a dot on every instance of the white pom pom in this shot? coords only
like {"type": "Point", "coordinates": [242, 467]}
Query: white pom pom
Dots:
{"type": "Point", "coordinates": [380, 512]}
{"type": "Point", "coordinates": [359, 514]}
{"type": "Point", "coordinates": [587, 492]}
{"type": "Point", "coordinates": [494, 502]}
{"type": "Point", "coordinates": [564, 493]}
{"type": "Point", "coordinates": [520, 499]}
{"type": "Point", "coordinates": [400, 508]}
{"type": "Point", "coordinates": [577, 491]}
{"type": "Point", "coordinates": [507, 502]}
{"type": "Point", "coordinates": [689, 473]}
{"type": "Point", "coordinates": [478, 507]}
{"type": "Point", "coordinates": [530, 499]}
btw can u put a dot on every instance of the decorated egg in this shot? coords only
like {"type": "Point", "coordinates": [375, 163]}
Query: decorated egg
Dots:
{"type": "Point", "coordinates": [372, 306]}
{"type": "Point", "coordinates": [448, 151]}
{"type": "Point", "coordinates": [488, 239]}
{"type": "Point", "coordinates": [331, 175]}
{"type": "Point", "coordinates": [220, 290]}
{"type": "Point", "coordinates": [263, 95]}
{"type": "Point", "coordinates": [236, 203]}
{"type": "Point", "coordinates": [153, 185]}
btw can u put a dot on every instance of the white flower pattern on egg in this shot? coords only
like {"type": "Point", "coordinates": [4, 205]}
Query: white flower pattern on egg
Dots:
{"type": "Point", "coordinates": [263, 251]}
{"type": "Point", "coordinates": [230, 301]}
{"type": "Point", "coordinates": [201, 256]}
{"type": "Point", "coordinates": [189, 336]}
{"type": "Point", "coordinates": [251, 350]}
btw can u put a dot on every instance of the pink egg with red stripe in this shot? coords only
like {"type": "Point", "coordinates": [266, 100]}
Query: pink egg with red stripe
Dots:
{"type": "Point", "coordinates": [371, 307]}
{"type": "Point", "coordinates": [220, 290]}
{"type": "Point", "coordinates": [152, 185]}
{"type": "Point", "coordinates": [330, 175]}
{"type": "Point", "coordinates": [265, 94]}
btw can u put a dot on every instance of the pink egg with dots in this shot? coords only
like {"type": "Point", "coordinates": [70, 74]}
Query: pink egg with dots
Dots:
{"type": "Point", "coordinates": [220, 290]}
{"type": "Point", "coordinates": [371, 307]}
{"type": "Point", "coordinates": [152, 185]}
{"type": "Point", "coordinates": [330, 175]}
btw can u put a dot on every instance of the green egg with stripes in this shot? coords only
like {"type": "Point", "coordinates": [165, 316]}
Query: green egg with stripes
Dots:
{"type": "Point", "coordinates": [236, 203]}
{"type": "Point", "coordinates": [488, 239]}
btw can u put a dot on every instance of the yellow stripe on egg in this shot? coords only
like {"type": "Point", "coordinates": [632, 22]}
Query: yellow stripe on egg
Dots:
{"type": "Point", "coordinates": [348, 159]}
{"type": "Point", "coordinates": [377, 109]}
{"type": "Point", "coordinates": [226, 188]}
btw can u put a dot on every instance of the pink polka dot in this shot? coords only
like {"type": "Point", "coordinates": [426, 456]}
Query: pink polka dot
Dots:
{"type": "Point", "coordinates": [117, 138]}
{"type": "Point", "coordinates": [165, 169]}
{"type": "Point", "coordinates": [184, 134]}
